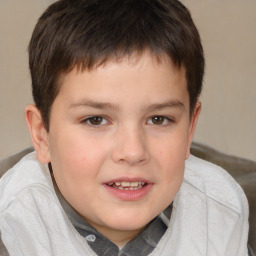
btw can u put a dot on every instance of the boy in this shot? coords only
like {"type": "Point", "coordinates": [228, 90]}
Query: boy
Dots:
{"type": "Point", "coordinates": [116, 87]}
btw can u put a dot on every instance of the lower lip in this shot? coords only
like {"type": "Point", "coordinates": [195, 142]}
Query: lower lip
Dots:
{"type": "Point", "coordinates": [129, 195]}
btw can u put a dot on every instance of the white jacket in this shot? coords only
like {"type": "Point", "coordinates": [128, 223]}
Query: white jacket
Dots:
{"type": "Point", "coordinates": [209, 216]}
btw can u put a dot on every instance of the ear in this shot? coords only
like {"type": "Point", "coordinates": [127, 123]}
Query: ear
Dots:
{"type": "Point", "coordinates": [38, 133]}
{"type": "Point", "coordinates": [192, 128]}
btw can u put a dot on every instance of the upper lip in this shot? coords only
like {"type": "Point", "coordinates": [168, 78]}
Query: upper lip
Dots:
{"type": "Point", "coordinates": [128, 179]}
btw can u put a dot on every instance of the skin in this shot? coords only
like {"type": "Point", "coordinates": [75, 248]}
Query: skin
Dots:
{"type": "Point", "coordinates": [143, 131]}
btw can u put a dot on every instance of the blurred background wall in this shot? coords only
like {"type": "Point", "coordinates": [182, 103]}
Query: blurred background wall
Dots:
{"type": "Point", "coordinates": [227, 28]}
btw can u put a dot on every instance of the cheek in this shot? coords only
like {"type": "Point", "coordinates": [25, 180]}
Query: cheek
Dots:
{"type": "Point", "coordinates": [172, 149]}
{"type": "Point", "coordinates": [171, 155]}
{"type": "Point", "coordinates": [76, 166]}
{"type": "Point", "coordinates": [75, 147]}
{"type": "Point", "coordinates": [77, 160]}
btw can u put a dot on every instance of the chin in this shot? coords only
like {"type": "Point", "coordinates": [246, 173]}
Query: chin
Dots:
{"type": "Point", "coordinates": [130, 223]}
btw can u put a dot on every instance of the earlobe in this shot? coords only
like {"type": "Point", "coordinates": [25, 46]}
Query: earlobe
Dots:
{"type": "Point", "coordinates": [38, 133]}
{"type": "Point", "coordinates": [192, 128]}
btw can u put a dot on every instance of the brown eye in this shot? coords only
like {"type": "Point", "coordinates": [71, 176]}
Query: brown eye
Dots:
{"type": "Point", "coordinates": [158, 120]}
{"type": "Point", "coordinates": [96, 120]}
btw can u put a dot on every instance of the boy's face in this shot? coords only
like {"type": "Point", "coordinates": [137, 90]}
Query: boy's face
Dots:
{"type": "Point", "coordinates": [118, 139]}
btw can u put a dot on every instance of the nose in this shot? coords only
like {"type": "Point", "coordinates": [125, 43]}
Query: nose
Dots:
{"type": "Point", "coordinates": [130, 147]}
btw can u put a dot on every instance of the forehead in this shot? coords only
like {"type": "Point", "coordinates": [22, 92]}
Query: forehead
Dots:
{"type": "Point", "coordinates": [130, 75]}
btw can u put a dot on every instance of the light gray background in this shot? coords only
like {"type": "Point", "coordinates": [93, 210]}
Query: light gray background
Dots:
{"type": "Point", "coordinates": [228, 31]}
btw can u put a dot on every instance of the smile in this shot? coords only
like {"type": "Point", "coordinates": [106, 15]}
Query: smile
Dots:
{"type": "Point", "coordinates": [128, 189]}
{"type": "Point", "coordinates": [125, 185]}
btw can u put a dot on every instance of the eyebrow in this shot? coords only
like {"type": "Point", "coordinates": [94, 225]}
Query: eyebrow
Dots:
{"type": "Point", "coordinates": [94, 104]}
{"type": "Point", "coordinates": [107, 105]}
{"type": "Point", "coordinates": [167, 104]}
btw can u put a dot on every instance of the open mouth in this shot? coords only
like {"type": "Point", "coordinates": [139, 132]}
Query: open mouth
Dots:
{"type": "Point", "coordinates": [129, 189]}
{"type": "Point", "coordinates": [126, 185]}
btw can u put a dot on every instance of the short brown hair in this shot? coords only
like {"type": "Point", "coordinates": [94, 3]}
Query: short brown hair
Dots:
{"type": "Point", "coordinates": [88, 33]}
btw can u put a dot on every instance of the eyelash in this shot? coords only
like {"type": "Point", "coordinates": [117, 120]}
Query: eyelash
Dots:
{"type": "Point", "coordinates": [89, 120]}
{"type": "Point", "coordinates": [164, 121]}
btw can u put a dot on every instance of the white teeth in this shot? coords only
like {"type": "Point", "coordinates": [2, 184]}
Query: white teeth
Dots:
{"type": "Point", "coordinates": [135, 184]}
{"type": "Point", "coordinates": [126, 185]}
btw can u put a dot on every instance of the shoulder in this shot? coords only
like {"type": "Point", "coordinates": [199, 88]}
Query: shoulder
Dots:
{"type": "Point", "coordinates": [209, 207]}
{"type": "Point", "coordinates": [26, 174]}
{"type": "Point", "coordinates": [30, 211]}
{"type": "Point", "coordinates": [215, 183]}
